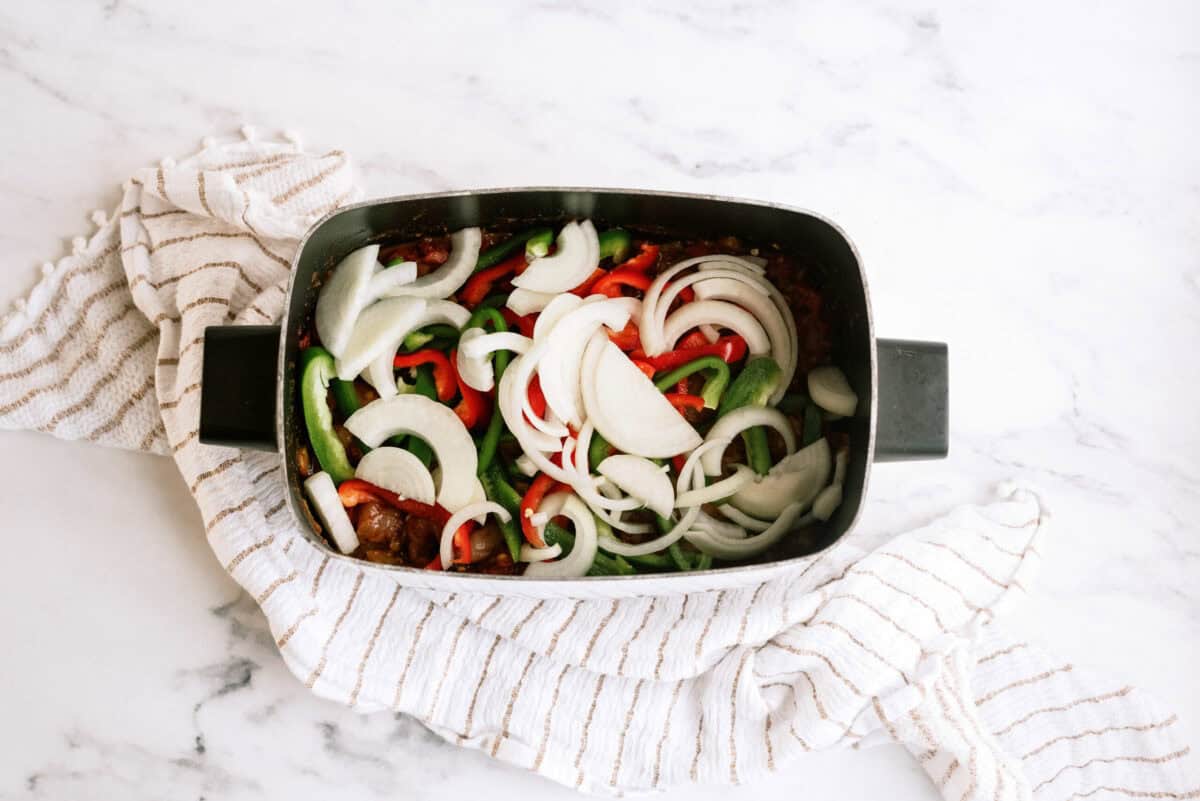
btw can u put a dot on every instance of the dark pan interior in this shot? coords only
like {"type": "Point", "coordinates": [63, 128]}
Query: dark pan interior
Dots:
{"type": "Point", "coordinates": [816, 246]}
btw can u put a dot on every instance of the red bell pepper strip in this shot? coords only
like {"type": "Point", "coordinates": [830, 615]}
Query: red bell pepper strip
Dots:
{"type": "Point", "coordinates": [537, 401]}
{"type": "Point", "coordinates": [694, 339]}
{"type": "Point", "coordinates": [462, 544]}
{"type": "Point", "coordinates": [436, 564]}
{"type": "Point", "coordinates": [681, 386]}
{"type": "Point", "coordinates": [473, 409]}
{"type": "Point", "coordinates": [677, 462]}
{"type": "Point", "coordinates": [729, 349]}
{"type": "Point", "coordinates": [644, 260]}
{"type": "Point", "coordinates": [538, 490]}
{"type": "Point", "coordinates": [523, 324]}
{"type": "Point", "coordinates": [354, 491]}
{"type": "Point", "coordinates": [443, 370]}
{"type": "Point", "coordinates": [682, 401]}
{"type": "Point", "coordinates": [627, 338]}
{"type": "Point", "coordinates": [611, 284]}
{"type": "Point", "coordinates": [585, 289]}
{"type": "Point", "coordinates": [481, 283]}
{"type": "Point", "coordinates": [646, 367]}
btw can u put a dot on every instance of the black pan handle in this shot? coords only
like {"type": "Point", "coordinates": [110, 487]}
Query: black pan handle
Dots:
{"type": "Point", "coordinates": [914, 401]}
{"type": "Point", "coordinates": [238, 385]}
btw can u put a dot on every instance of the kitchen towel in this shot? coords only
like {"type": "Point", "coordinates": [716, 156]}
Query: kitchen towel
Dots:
{"type": "Point", "coordinates": [611, 696]}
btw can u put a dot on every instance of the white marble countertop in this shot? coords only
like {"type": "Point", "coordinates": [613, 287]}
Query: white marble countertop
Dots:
{"type": "Point", "coordinates": [1023, 184]}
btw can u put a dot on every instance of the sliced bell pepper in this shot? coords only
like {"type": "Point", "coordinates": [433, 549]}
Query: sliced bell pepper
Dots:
{"type": "Point", "coordinates": [585, 289]}
{"type": "Point", "coordinates": [599, 450]}
{"type": "Point", "coordinates": [681, 401]}
{"type": "Point", "coordinates": [615, 243]}
{"type": "Point", "coordinates": [602, 565]}
{"type": "Point", "coordinates": [482, 281]}
{"type": "Point", "coordinates": [537, 401]}
{"type": "Point", "coordinates": [538, 490]}
{"type": "Point", "coordinates": [728, 349]}
{"type": "Point", "coordinates": [498, 490]}
{"type": "Point", "coordinates": [646, 258]}
{"type": "Point", "coordinates": [645, 367]}
{"type": "Point", "coordinates": [694, 339]}
{"type": "Point", "coordinates": [355, 491]}
{"type": "Point", "coordinates": [523, 324]}
{"type": "Point", "coordinates": [539, 244]}
{"type": "Point", "coordinates": [462, 544]}
{"type": "Point", "coordinates": [714, 385]}
{"type": "Point", "coordinates": [753, 387]}
{"type": "Point", "coordinates": [498, 253]}
{"type": "Point", "coordinates": [443, 370]}
{"type": "Point", "coordinates": [436, 564]}
{"type": "Point", "coordinates": [474, 407]}
{"type": "Point", "coordinates": [627, 338]}
{"type": "Point", "coordinates": [316, 373]}
{"type": "Point", "coordinates": [611, 284]}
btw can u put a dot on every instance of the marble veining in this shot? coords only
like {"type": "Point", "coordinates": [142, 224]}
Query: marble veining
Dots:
{"type": "Point", "coordinates": [1021, 180]}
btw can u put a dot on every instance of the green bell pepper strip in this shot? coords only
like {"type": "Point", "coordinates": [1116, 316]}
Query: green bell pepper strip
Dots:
{"type": "Point", "coordinates": [679, 557]}
{"type": "Point", "coordinates": [491, 437]}
{"type": "Point", "coordinates": [539, 244]}
{"type": "Point", "coordinates": [704, 562]}
{"type": "Point", "coordinates": [494, 255]}
{"type": "Point", "coordinates": [498, 490]}
{"type": "Point", "coordinates": [602, 565]}
{"type": "Point", "coordinates": [422, 385]}
{"type": "Point", "coordinates": [793, 404]}
{"type": "Point", "coordinates": [421, 338]}
{"type": "Point", "coordinates": [345, 397]}
{"type": "Point", "coordinates": [493, 301]}
{"type": "Point", "coordinates": [753, 387]}
{"type": "Point", "coordinates": [615, 244]}
{"type": "Point", "coordinates": [714, 385]}
{"type": "Point", "coordinates": [316, 372]}
{"type": "Point", "coordinates": [598, 450]}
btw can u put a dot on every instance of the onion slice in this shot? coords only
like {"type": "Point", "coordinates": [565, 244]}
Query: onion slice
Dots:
{"type": "Point", "coordinates": [445, 281]}
{"type": "Point", "coordinates": [343, 296]}
{"type": "Point", "coordinates": [439, 426]}
{"type": "Point", "coordinates": [475, 511]}
{"type": "Point", "coordinates": [742, 519]}
{"type": "Point", "coordinates": [576, 254]}
{"type": "Point", "coordinates": [379, 330]}
{"type": "Point", "coordinates": [559, 368]}
{"type": "Point", "coordinates": [387, 279]}
{"type": "Point", "coordinates": [738, 421]}
{"type": "Point", "coordinates": [579, 561]}
{"type": "Point", "coordinates": [730, 549]}
{"type": "Point", "coordinates": [641, 479]}
{"type": "Point", "coordinates": [526, 301]}
{"type": "Point", "coordinates": [742, 475]}
{"type": "Point", "coordinates": [717, 312]}
{"type": "Point", "coordinates": [380, 372]}
{"type": "Point", "coordinates": [830, 390]}
{"type": "Point", "coordinates": [398, 471]}
{"type": "Point", "coordinates": [532, 554]}
{"type": "Point", "coordinates": [475, 347]}
{"type": "Point", "coordinates": [555, 310]}
{"type": "Point", "coordinates": [324, 497]}
{"type": "Point", "coordinates": [626, 407]}
{"type": "Point", "coordinates": [795, 479]}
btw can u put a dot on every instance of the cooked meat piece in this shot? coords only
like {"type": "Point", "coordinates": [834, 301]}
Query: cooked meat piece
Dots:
{"type": "Point", "coordinates": [377, 524]}
{"type": "Point", "coordinates": [486, 541]}
{"type": "Point", "coordinates": [422, 537]}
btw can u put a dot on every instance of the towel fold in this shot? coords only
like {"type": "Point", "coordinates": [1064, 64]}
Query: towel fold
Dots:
{"type": "Point", "coordinates": [610, 696]}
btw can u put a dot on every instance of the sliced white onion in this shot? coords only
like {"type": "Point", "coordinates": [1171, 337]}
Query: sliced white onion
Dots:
{"type": "Point", "coordinates": [585, 485]}
{"type": "Point", "coordinates": [398, 471]}
{"type": "Point", "coordinates": [475, 348]}
{"type": "Point", "coordinates": [559, 368]}
{"type": "Point", "coordinates": [433, 422]}
{"type": "Point", "coordinates": [651, 334]}
{"type": "Point", "coordinates": [677, 286]}
{"type": "Point", "coordinates": [576, 255]}
{"type": "Point", "coordinates": [526, 301]}
{"type": "Point", "coordinates": [717, 312]}
{"type": "Point", "coordinates": [827, 502]}
{"type": "Point", "coordinates": [738, 421]}
{"type": "Point", "coordinates": [680, 529]}
{"type": "Point", "coordinates": [380, 373]}
{"type": "Point", "coordinates": [579, 561]}
{"type": "Point", "coordinates": [829, 389]}
{"type": "Point", "coordinates": [385, 280]}
{"type": "Point", "coordinates": [379, 330]}
{"type": "Point", "coordinates": [512, 393]}
{"type": "Point", "coordinates": [731, 549]}
{"type": "Point", "coordinates": [629, 411]}
{"type": "Point", "coordinates": [722, 528]}
{"type": "Point", "coordinates": [475, 511]}
{"type": "Point", "coordinates": [797, 478]}
{"type": "Point", "coordinates": [531, 554]}
{"type": "Point", "coordinates": [343, 296]}
{"type": "Point", "coordinates": [742, 519]}
{"type": "Point", "coordinates": [742, 475]}
{"type": "Point", "coordinates": [445, 280]}
{"type": "Point", "coordinates": [755, 298]}
{"type": "Point", "coordinates": [555, 310]}
{"type": "Point", "coordinates": [526, 466]}
{"type": "Point", "coordinates": [641, 479]}
{"type": "Point", "coordinates": [328, 506]}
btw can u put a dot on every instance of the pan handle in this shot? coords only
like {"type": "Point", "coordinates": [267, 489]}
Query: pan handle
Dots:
{"type": "Point", "coordinates": [914, 401]}
{"type": "Point", "coordinates": [238, 385]}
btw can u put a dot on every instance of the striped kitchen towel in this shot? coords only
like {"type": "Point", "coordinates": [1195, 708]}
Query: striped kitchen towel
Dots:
{"type": "Point", "coordinates": [607, 695]}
